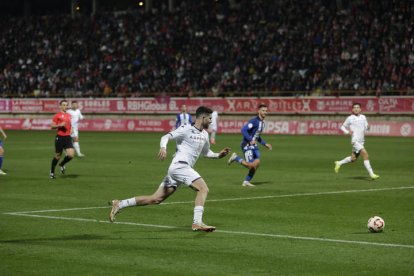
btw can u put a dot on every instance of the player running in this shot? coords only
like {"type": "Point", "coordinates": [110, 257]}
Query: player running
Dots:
{"type": "Point", "coordinates": [76, 117]}
{"type": "Point", "coordinates": [213, 127]}
{"type": "Point", "coordinates": [356, 124]}
{"type": "Point", "coordinates": [251, 136]}
{"type": "Point", "coordinates": [192, 141]}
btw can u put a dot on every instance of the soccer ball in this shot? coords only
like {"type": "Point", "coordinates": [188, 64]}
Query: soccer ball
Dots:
{"type": "Point", "coordinates": [375, 224]}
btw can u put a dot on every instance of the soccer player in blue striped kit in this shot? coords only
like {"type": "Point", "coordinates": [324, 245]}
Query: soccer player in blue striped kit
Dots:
{"type": "Point", "coordinates": [183, 118]}
{"type": "Point", "coordinates": [251, 136]}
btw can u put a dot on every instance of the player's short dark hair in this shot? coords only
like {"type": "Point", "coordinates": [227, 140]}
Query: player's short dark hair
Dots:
{"type": "Point", "coordinates": [203, 110]}
{"type": "Point", "coordinates": [74, 102]}
{"type": "Point", "coordinates": [354, 104]}
{"type": "Point", "coordinates": [62, 101]}
{"type": "Point", "coordinates": [261, 105]}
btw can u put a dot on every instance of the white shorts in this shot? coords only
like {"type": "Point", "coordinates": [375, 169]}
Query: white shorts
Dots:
{"type": "Point", "coordinates": [179, 173]}
{"type": "Point", "coordinates": [357, 146]}
{"type": "Point", "coordinates": [75, 132]}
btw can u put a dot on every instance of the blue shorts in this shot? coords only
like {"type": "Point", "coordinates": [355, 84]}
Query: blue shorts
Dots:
{"type": "Point", "coordinates": [1, 143]}
{"type": "Point", "coordinates": [251, 153]}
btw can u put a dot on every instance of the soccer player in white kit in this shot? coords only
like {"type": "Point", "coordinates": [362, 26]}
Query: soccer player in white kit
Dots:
{"type": "Point", "coordinates": [192, 141]}
{"type": "Point", "coordinates": [76, 117]}
{"type": "Point", "coordinates": [356, 124]}
{"type": "Point", "coordinates": [213, 127]}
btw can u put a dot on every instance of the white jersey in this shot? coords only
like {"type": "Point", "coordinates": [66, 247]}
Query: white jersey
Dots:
{"type": "Point", "coordinates": [358, 125]}
{"type": "Point", "coordinates": [191, 143]}
{"type": "Point", "coordinates": [214, 117]}
{"type": "Point", "coordinates": [76, 116]}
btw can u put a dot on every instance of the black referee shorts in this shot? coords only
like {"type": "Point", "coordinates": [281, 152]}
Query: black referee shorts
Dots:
{"type": "Point", "coordinates": [63, 142]}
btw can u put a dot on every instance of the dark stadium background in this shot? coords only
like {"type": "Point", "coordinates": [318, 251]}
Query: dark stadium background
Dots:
{"type": "Point", "coordinates": [49, 7]}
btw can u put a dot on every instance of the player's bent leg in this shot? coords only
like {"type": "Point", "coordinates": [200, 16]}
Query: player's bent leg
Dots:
{"type": "Point", "coordinates": [161, 194]}
{"type": "Point", "coordinates": [354, 157]}
{"type": "Point", "coordinates": [364, 154]}
{"type": "Point", "coordinates": [76, 146]}
{"type": "Point", "coordinates": [367, 165]}
{"type": "Point", "coordinates": [338, 164]}
{"type": "Point", "coordinates": [70, 152]}
{"type": "Point", "coordinates": [253, 165]}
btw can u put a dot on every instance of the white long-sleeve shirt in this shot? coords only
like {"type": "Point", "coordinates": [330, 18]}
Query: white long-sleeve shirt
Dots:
{"type": "Point", "coordinates": [358, 124]}
{"type": "Point", "coordinates": [76, 116]}
{"type": "Point", "coordinates": [214, 117]}
{"type": "Point", "coordinates": [191, 143]}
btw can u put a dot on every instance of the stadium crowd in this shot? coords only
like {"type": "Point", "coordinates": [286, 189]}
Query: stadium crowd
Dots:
{"type": "Point", "coordinates": [263, 48]}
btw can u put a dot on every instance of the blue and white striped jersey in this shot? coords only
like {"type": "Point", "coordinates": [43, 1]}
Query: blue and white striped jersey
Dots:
{"type": "Point", "coordinates": [252, 130]}
{"type": "Point", "coordinates": [183, 119]}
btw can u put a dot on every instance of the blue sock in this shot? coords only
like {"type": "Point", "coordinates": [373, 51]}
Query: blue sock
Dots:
{"type": "Point", "coordinates": [1, 161]}
{"type": "Point", "coordinates": [239, 159]}
{"type": "Point", "coordinates": [250, 175]}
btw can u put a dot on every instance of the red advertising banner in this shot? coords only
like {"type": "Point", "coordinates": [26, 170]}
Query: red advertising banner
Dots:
{"type": "Point", "coordinates": [316, 127]}
{"type": "Point", "coordinates": [167, 105]}
{"type": "Point", "coordinates": [5, 106]}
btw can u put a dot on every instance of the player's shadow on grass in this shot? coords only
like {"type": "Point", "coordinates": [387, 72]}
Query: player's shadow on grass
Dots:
{"type": "Point", "coordinates": [258, 183]}
{"type": "Point", "coordinates": [70, 176]}
{"type": "Point", "coordinates": [64, 238]}
{"type": "Point", "coordinates": [359, 178]}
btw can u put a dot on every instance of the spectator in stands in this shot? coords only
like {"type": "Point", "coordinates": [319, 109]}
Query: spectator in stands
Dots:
{"type": "Point", "coordinates": [246, 48]}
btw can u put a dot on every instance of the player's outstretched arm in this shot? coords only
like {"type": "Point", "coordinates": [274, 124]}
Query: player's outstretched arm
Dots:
{"type": "Point", "coordinates": [224, 152]}
{"type": "Point", "coordinates": [210, 154]}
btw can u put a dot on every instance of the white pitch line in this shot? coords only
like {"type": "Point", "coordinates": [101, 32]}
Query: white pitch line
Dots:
{"type": "Point", "coordinates": [279, 236]}
{"type": "Point", "coordinates": [227, 199]}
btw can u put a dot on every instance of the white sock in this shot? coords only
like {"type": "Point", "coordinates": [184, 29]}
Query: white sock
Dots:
{"type": "Point", "coordinates": [368, 167]}
{"type": "Point", "coordinates": [77, 148]}
{"type": "Point", "coordinates": [127, 202]}
{"type": "Point", "coordinates": [198, 214]}
{"type": "Point", "coordinates": [345, 160]}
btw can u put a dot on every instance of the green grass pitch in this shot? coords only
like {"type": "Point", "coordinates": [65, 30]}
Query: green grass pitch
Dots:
{"type": "Point", "coordinates": [302, 218]}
